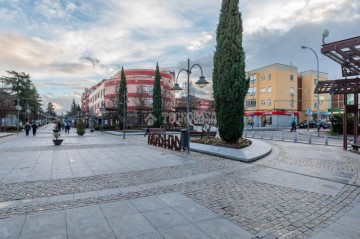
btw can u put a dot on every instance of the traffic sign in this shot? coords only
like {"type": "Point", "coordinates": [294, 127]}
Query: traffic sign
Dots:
{"type": "Point", "coordinates": [308, 112]}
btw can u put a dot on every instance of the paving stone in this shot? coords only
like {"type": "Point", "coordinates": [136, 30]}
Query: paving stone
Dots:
{"type": "Point", "coordinates": [11, 227]}
{"type": "Point", "coordinates": [117, 209]}
{"type": "Point", "coordinates": [45, 221]}
{"type": "Point", "coordinates": [184, 232]}
{"type": "Point", "coordinates": [165, 218]}
{"type": "Point", "coordinates": [130, 226]}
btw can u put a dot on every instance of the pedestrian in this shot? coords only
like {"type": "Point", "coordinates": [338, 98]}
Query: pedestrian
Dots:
{"type": "Point", "coordinates": [67, 127]}
{"type": "Point", "coordinates": [293, 127]}
{"type": "Point", "coordinates": [27, 128]}
{"type": "Point", "coordinates": [34, 127]}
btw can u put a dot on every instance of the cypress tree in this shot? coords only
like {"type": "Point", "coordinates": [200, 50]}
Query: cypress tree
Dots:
{"type": "Point", "coordinates": [122, 92]}
{"type": "Point", "coordinates": [157, 104]}
{"type": "Point", "coordinates": [229, 82]}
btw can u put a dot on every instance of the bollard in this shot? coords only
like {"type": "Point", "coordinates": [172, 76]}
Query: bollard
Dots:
{"type": "Point", "coordinates": [295, 137]}
{"type": "Point", "coordinates": [245, 133]}
{"type": "Point", "coordinates": [262, 135]}
{"type": "Point", "coordinates": [253, 134]}
{"type": "Point", "coordinates": [326, 140]}
{"type": "Point", "coordinates": [282, 135]}
{"type": "Point", "coordinates": [309, 137]}
{"type": "Point", "coordinates": [271, 135]}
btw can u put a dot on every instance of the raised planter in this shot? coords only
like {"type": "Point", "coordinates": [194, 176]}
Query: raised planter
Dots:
{"type": "Point", "coordinates": [56, 130]}
{"type": "Point", "coordinates": [57, 141]}
{"type": "Point", "coordinates": [80, 133]}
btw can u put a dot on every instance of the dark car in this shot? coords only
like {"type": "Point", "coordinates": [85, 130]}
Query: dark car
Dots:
{"type": "Point", "coordinates": [304, 124]}
{"type": "Point", "coordinates": [324, 124]}
{"type": "Point", "coordinates": [312, 124]}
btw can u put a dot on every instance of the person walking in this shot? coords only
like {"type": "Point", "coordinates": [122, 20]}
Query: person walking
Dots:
{"type": "Point", "coordinates": [67, 127]}
{"type": "Point", "coordinates": [34, 127]}
{"type": "Point", "coordinates": [293, 127]}
{"type": "Point", "coordinates": [27, 128]}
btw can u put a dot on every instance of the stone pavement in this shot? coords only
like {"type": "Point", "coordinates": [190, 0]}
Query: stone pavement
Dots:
{"type": "Point", "coordinates": [102, 186]}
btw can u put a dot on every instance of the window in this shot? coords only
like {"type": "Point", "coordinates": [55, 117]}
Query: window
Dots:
{"type": "Point", "coordinates": [250, 103]}
{"type": "Point", "coordinates": [315, 81]}
{"type": "Point", "coordinates": [269, 102]}
{"type": "Point", "coordinates": [269, 89]}
{"type": "Point", "coordinates": [151, 90]}
{"type": "Point", "coordinates": [269, 76]}
{"type": "Point", "coordinates": [263, 90]}
{"type": "Point", "coordinates": [292, 90]}
{"type": "Point", "coordinates": [253, 78]}
{"type": "Point", "coordinates": [291, 77]}
{"type": "Point", "coordinates": [150, 102]}
{"type": "Point", "coordinates": [252, 91]}
{"type": "Point", "coordinates": [262, 78]}
{"type": "Point", "coordinates": [262, 102]}
{"type": "Point", "coordinates": [144, 88]}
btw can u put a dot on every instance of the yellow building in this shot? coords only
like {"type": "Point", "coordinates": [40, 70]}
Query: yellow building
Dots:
{"type": "Point", "coordinates": [307, 83]}
{"type": "Point", "coordinates": [276, 95]}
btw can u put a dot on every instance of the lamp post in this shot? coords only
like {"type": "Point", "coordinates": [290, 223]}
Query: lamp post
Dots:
{"type": "Point", "coordinates": [27, 112]}
{"type": "Point", "coordinates": [102, 110]}
{"type": "Point", "coordinates": [292, 106]}
{"type": "Point", "coordinates": [201, 83]}
{"type": "Point", "coordinates": [18, 107]}
{"type": "Point", "coordinates": [318, 78]}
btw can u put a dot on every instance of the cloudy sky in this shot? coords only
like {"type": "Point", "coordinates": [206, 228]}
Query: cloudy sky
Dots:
{"type": "Point", "coordinates": [67, 45]}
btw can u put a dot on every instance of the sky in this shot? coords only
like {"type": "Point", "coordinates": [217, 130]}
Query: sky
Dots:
{"type": "Point", "coordinates": [68, 45]}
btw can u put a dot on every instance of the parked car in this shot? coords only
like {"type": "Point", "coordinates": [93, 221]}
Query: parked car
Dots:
{"type": "Point", "coordinates": [325, 124]}
{"type": "Point", "coordinates": [304, 124]}
{"type": "Point", "coordinates": [313, 124]}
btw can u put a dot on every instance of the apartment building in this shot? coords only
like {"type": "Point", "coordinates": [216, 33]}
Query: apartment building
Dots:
{"type": "Point", "coordinates": [308, 100]}
{"type": "Point", "coordinates": [278, 94]}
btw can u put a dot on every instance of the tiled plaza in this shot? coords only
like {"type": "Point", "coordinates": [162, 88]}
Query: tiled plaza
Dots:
{"type": "Point", "coordinates": [102, 186]}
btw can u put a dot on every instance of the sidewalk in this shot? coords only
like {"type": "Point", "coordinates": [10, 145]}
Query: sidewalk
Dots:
{"type": "Point", "coordinates": [102, 186]}
{"type": "Point", "coordinates": [3, 134]}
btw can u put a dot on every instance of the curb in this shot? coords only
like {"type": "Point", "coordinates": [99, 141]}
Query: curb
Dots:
{"type": "Point", "coordinates": [257, 150]}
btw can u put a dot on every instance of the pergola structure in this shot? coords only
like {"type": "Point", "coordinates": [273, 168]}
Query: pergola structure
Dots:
{"type": "Point", "coordinates": [347, 54]}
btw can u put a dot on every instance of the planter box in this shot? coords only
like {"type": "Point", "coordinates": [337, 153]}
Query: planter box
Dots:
{"type": "Point", "coordinates": [57, 141]}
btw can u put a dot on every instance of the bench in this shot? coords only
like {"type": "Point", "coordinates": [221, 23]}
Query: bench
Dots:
{"type": "Point", "coordinates": [197, 134]}
{"type": "Point", "coordinates": [356, 144]}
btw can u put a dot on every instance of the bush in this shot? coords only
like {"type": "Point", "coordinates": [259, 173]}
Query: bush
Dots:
{"type": "Point", "coordinates": [337, 123]}
{"type": "Point", "coordinates": [80, 126]}
{"type": "Point", "coordinates": [11, 128]}
{"type": "Point", "coordinates": [96, 127]}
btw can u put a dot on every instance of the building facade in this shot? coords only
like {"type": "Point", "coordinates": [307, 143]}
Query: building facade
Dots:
{"type": "Point", "coordinates": [277, 94]}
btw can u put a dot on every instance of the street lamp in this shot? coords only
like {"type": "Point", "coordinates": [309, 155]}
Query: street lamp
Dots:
{"type": "Point", "coordinates": [102, 110]}
{"type": "Point", "coordinates": [18, 107]}
{"type": "Point", "coordinates": [317, 81]}
{"type": "Point", "coordinates": [27, 112]}
{"type": "Point", "coordinates": [292, 106]}
{"type": "Point", "coordinates": [201, 83]}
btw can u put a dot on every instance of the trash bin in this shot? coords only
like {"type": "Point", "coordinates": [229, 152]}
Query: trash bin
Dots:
{"type": "Point", "coordinates": [184, 140]}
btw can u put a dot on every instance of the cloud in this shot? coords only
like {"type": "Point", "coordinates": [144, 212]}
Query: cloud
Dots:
{"type": "Point", "coordinates": [65, 46]}
{"type": "Point", "coordinates": [200, 41]}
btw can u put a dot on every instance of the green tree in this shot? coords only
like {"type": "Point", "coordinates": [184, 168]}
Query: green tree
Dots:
{"type": "Point", "coordinates": [157, 98]}
{"type": "Point", "coordinates": [229, 81]}
{"type": "Point", "coordinates": [25, 91]}
{"type": "Point", "coordinates": [73, 108]}
{"type": "Point", "coordinates": [122, 96]}
{"type": "Point", "coordinates": [50, 111]}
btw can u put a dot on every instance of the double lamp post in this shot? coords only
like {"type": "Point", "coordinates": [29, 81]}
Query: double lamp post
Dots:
{"type": "Point", "coordinates": [176, 88]}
